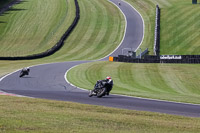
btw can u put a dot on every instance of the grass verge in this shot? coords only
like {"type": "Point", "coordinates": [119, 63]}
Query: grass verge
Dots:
{"type": "Point", "coordinates": [34, 26]}
{"type": "Point", "coordinates": [174, 82]}
{"type": "Point", "coordinates": [179, 25]}
{"type": "Point", "coordinates": [180, 28]}
{"type": "Point", "coordinates": [36, 115]}
{"type": "Point", "coordinates": [25, 29]}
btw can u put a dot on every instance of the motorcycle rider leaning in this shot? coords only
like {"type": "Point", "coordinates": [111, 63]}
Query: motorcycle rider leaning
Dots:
{"type": "Point", "coordinates": [105, 83]}
{"type": "Point", "coordinates": [26, 70]}
{"type": "Point", "coordinates": [109, 84]}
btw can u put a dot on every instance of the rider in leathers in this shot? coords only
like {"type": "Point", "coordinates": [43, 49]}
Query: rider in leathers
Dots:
{"type": "Point", "coordinates": [108, 84]}
{"type": "Point", "coordinates": [26, 70]}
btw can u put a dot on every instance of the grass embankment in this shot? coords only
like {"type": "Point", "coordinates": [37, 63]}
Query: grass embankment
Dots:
{"type": "Point", "coordinates": [180, 28]}
{"type": "Point", "coordinates": [31, 28]}
{"type": "Point", "coordinates": [179, 25]}
{"type": "Point", "coordinates": [35, 115]}
{"type": "Point", "coordinates": [175, 82]}
{"type": "Point", "coordinates": [34, 26]}
{"type": "Point", "coordinates": [94, 37]}
{"type": "Point", "coordinates": [97, 34]}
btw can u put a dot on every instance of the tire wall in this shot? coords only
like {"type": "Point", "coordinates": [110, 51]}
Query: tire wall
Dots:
{"type": "Point", "coordinates": [56, 47]}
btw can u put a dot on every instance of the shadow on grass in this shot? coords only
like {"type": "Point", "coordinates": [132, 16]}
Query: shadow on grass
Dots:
{"type": "Point", "coordinates": [9, 7]}
{"type": "Point", "coordinates": [5, 13]}
{"type": "Point", "coordinates": [12, 10]}
{"type": "Point", "coordinates": [2, 22]}
{"type": "Point", "coordinates": [16, 9]}
{"type": "Point", "coordinates": [22, 2]}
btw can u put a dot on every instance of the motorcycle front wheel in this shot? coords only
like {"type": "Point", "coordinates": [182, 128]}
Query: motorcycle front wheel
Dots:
{"type": "Point", "coordinates": [101, 92]}
{"type": "Point", "coordinates": [21, 74]}
{"type": "Point", "coordinates": [90, 93]}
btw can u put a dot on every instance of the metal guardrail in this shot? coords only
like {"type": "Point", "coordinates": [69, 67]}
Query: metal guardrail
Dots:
{"type": "Point", "coordinates": [157, 32]}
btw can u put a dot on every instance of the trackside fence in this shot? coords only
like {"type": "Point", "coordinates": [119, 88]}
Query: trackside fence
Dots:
{"type": "Point", "coordinates": [157, 32]}
{"type": "Point", "coordinates": [56, 47]}
{"type": "Point", "coordinates": [189, 59]}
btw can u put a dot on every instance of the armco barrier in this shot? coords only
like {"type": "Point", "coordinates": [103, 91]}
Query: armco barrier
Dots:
{"type": "Point", "coordinates": [56, 47]}
{"type": "Point", "coordinates": [157, 32]}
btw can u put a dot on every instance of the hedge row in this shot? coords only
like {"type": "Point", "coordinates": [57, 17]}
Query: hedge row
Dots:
{"type": "Point", "coordinates": [56, 47]}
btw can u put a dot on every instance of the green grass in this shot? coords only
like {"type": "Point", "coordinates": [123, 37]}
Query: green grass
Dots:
{"type": "Point", "coordinates": [174, 82]}
{"type": "Point", "coordinates": [179, 25]}
{"type": "Point", "coordinates": [101, 37]}
{"type": "Point", "coordinates": [180, 28]}
{"type": "Point", "coordinates": [26, 30]}
{"type": "Point", "coordinates": [30, 28]}
{"type": "Point", "coordinates": [36, 115]}
{"type": "Point", "coordinates": [98, 33]}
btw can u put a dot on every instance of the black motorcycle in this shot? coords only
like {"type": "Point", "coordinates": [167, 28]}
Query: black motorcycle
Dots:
{"type": "Point", "coordinates": [99, 90]}
{"type": "Point", "coordinates": [24, 72]}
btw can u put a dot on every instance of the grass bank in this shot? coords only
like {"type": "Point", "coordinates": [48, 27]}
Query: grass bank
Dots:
{"type": "Point", "coordinates": [174, 82]}
{"type": "Point", "coordinates": [34, 26]}
{"type": "Point", "coordinates": [99, 31]}
{"type": "Point", "coordinates": [36, 115]}
{"type": "Point", "coordinates": [94, 37]}
{"type": "Point", "coordinates": [180, 28]}
{"type": "Point", "coordinates": [179, 25]}
{"type": "Point", "coordinates": [30, 28]}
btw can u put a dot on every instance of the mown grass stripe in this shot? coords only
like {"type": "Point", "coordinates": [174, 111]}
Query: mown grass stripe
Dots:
{"type": "Point", "coordinates": [160, 81]}
{"type": "Point", "coordinates": [99, 29]}
{"type": "Point", "coordinates": [107, 27]}
{"type": "Point", "coordinates": [92, 48]}
{"type": "Point", "coordinates": [162, 3]}
{"type": "Point", "coordinates": [88, 28]}
{"type": "Point", "coordinates": [30, 28]}
{"type": "Point", "coordinates": [179, 24]}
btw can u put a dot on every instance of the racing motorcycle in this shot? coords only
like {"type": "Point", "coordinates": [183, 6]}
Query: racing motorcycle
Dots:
{"type": "Point", "coordinates": [99, 89]}
{"type": "Point", "coordinates": [24, 72]}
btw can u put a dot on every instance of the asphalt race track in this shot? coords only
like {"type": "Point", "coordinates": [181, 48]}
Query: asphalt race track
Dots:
{"type": "Point", "coordinates": [47, 81]}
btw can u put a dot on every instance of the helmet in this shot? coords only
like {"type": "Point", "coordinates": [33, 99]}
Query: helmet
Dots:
{"type": "Point", "coordinates": [108, 77]}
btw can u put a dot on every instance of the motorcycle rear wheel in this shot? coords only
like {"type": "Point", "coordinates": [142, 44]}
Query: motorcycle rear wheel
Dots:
{"type": "Point", "coordinates": [101, 92]}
